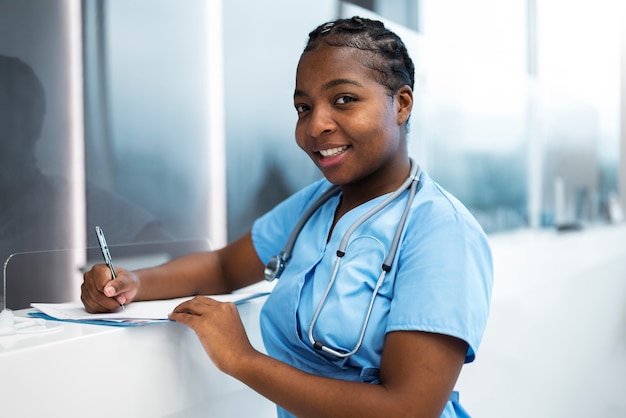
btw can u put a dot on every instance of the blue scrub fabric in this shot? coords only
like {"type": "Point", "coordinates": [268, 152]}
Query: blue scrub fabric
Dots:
{"type": "Point", "coordinates": [440, 281]}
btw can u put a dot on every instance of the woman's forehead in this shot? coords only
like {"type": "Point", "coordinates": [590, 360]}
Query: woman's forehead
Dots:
{"type": "Point", "coordinates": [329, 62]}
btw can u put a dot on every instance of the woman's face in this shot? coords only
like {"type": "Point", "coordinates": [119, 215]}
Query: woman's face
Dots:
{"type": "Point", "coordinates": [348, 124]}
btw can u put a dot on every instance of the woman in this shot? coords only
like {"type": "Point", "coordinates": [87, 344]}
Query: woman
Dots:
{"type": "Point", "coordinates": [429, 302]}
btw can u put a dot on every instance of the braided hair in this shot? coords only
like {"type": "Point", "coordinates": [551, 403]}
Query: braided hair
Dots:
{"type": "Point", "coordinates": [387, 55]}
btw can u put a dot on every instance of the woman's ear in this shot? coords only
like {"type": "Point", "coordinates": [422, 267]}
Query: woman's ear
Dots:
{"type": "Point", "coordinates": [404, 104]}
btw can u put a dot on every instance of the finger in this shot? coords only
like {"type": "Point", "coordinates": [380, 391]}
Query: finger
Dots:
{"type": "Point", "coordinates": [100, 275]}
{"type": "Point", "coordinates": [181, 317]}
{"type": "Point", "coordinates": [94, 301]}
{"type": "Point", "coordinates": [110, 289]}
{"type": "Point", "coordinates": [116, 287]}
{"type": "Point", "coordinates": [188, 318]}
{"type": "Point", "coordinates": [88, 302]}
{"type": "Point", "coordinates": [92, 295]}
{"type": "Point", "coordinates": [89, 290]}
{"type": "Point", "coordinates": [191, 307]}
{"type": "Point", "coordinates": [95, 286]}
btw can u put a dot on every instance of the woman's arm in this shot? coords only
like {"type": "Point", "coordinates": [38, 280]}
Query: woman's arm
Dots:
{"type": "Point", "coordinates": [215, 272]}
{"type": "Point", "coordinates": [418, 370]}
{"type": "Point", "coordinates": [210, 273]}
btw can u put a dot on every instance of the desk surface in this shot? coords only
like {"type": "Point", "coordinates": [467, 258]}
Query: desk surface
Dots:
{"type": "Point", "coordinates": [158, 370]}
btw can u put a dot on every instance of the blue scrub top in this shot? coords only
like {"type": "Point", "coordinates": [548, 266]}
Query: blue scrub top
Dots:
{"type": "Point", "coordinates": [440, 281]}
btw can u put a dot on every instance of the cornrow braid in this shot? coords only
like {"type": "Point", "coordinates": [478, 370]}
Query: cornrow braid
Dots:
{"type": "Point", "coordinates": [389, 56]}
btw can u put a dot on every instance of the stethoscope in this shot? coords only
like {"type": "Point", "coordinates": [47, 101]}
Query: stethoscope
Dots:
{"type": "Point", "coordinates": [277, 263]}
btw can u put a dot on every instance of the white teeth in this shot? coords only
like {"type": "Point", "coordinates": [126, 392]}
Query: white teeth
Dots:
{"type": "Point", "coordinates": [333, 151]}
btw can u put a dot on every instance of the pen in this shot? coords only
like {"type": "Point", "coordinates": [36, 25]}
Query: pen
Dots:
{"type": "Point", "coordinates": [106, 254]}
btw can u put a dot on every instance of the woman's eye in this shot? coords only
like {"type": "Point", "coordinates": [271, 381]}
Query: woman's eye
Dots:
{"type": "Point", "coordinates": [300, 108]}
{"type": "Point", "coordinates": [345, 100]}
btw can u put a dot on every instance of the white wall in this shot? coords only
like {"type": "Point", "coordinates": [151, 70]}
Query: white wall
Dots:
{"type": "Point", "coordinates": [555, 344]}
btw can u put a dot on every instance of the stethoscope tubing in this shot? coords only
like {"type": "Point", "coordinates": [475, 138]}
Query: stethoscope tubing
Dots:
{"type": "Point", "coordinates": [291, 242]}
{"type": "Point", "coordinates": [411, 182]}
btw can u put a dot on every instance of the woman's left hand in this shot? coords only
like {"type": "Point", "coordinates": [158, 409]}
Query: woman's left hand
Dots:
{"type": "Point", "coordinates": [219, 328]}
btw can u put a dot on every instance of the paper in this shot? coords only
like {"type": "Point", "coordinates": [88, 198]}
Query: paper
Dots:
{"type": "Point", "coordinates": [136, 313]}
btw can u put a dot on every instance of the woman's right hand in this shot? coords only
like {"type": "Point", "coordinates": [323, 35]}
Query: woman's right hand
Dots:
{"type": "Point", "coordinates": [101, 294]}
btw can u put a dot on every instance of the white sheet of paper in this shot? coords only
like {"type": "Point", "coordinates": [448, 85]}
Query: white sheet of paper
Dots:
{"type": "Point", "coordinates": [150, 310]}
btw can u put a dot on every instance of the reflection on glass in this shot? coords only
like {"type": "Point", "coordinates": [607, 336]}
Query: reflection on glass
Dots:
{"type": "Point", "coordinates": [33, 205]}
{"type": "Point", "coordinates": [56, 280]}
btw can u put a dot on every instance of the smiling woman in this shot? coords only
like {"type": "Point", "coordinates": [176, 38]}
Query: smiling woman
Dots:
{"type": "Point", "coordinates": [348, 123]}
{"type": "Point", "coordinates": [405, 328]}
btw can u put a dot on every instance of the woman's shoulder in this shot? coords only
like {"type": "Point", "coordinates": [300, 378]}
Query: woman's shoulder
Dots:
{"type": "Point", "coordinates": [435, 196]}
{"type": "Point", "coordinates": [435, 205]}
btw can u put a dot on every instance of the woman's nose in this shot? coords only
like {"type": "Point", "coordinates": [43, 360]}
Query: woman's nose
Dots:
{"type": "Point", "coordinates": [320, 123]}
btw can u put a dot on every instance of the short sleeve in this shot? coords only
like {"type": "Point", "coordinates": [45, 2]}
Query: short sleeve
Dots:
{"type": "Point", "coordinates": [445, 275]}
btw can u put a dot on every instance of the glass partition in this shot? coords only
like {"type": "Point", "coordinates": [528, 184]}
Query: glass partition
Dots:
{"type": "Point", "coordinates": [55, 276]}
{"type": "Point", "coordinates": [37, 189]}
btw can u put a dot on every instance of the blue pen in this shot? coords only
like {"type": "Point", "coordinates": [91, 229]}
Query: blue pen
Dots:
{"type": "Point", "coordinates": [106, 254]}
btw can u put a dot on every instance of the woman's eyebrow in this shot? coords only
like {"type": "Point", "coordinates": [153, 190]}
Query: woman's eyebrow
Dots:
{"type": "Point", "coordinates": [329, 85]}
{"type": "Point", "coordinates": [340, 81]}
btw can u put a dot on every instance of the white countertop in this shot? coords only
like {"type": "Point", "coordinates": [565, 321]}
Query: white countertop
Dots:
{"type": "Point", "coordinates": [157, 370]}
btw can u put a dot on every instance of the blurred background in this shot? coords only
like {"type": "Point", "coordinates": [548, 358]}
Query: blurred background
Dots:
{"type": "Point", "coordinates": [169, 121]}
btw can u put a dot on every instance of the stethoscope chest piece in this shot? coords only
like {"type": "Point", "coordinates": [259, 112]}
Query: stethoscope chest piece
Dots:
{"type": "Point", "coordinates": [275, 266]}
